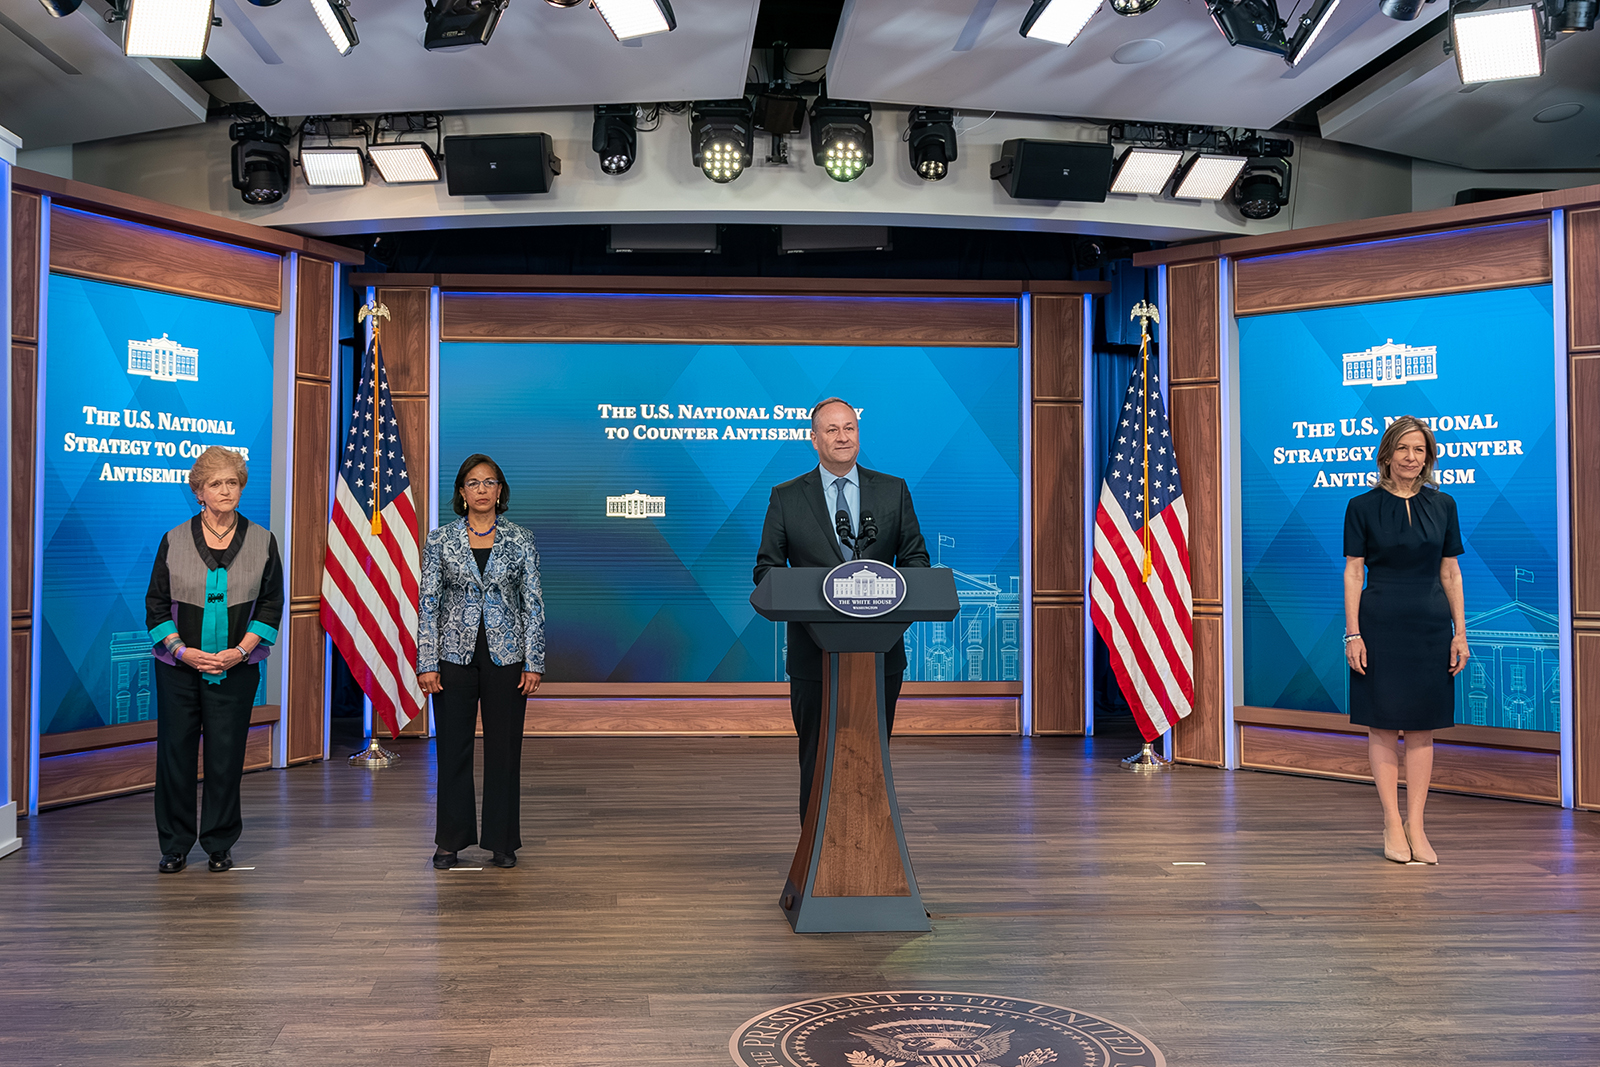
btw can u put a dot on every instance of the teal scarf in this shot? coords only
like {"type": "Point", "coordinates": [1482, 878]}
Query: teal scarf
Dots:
{"type": "Point", "coordinates": [214, 623]}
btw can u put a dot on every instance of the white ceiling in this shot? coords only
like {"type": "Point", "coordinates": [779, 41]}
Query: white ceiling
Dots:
{"type": "Point", "coordinates": [1418, 107]}
{"type": "Point", "coordinates": [968, 54]}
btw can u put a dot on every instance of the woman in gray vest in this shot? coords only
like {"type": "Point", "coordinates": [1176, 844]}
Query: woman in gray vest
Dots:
{"type": "Point", "coordinates": [213, 609]}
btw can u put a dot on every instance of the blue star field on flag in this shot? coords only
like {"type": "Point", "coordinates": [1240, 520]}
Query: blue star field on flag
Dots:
{"type": "Point", "coordinates": [1125, 467]}
{"type": "Point", "coordinates": [365, 436]}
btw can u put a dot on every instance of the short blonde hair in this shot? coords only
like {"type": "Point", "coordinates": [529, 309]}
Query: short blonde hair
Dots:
{"type": "Point", "coordinates": [1391, 440]}
{"type": "Point", "coordinates": [216, 460]}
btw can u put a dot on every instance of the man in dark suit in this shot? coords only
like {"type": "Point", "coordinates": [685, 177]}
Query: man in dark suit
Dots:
{"type": "Point", "coordinates": [801, 531]}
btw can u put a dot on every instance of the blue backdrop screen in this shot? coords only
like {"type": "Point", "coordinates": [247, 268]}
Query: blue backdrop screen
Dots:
{"type": "Point", "coordinates": [137, 384]}
{"type": "Point", "coordinates": [1315, 391]}
{"type": "Point", "coordinates": [644, 472]}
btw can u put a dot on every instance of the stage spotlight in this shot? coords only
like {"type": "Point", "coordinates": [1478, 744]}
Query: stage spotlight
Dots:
{"type": "Point", "coordinates": [933, 142]}
{"type": "Point", "coordinates": [1575, 15]}
{"type": "Point", "coordinates": [1309, 28]}
{"type": "Point", "coordinates": [1250, 24]}
{"type": "Point", "coordinates": [337, 22]}
{"type": "Point", "coordinates": [720, 137]}
{"type": "Point", "coordinates": [841, 137]}
{"type": "Point", "coordinates": [324, 167]}
{"type": "Point", "coordinates": [260, 160]}
{"type": "Point", "coordinates": [1058, 21]}
{"type": "Point", "coordinates": [163, 29]}
{"type": "Point", "coordinates": [62, 8]}
{"type": "Point", "coordinates": [457, 22]}
{"type": "Point", "coordinates": [1401, 10]}
{"type": "Point", "coordinates": [1131, 8]}
{"type": "Point", "coordinates": [616, 137]}
{"type": "Point", "coordinates": [1498, 44]}
{"type": "Point", "coordinates": [1145, 170]}
{"type": "Point", "coordinates": [1207, 177]}
{"type": "Point", "coordinates": [627, 19]}
{"type": "Point", "coordinates": [404, 164]}
{"type": "Point", "coordinates": [1263, 189]}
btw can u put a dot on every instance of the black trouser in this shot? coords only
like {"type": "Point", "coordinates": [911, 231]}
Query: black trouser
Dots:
{"type": "Point", "coordinates": [466, 690]}
{"type": "Point", "coordinates": [186, 707]}
{"type": "Point", "coordinates": [806, 705]}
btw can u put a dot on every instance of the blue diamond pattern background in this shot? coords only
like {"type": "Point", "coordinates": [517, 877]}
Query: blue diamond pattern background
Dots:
{"type": "Point", "coordinates": [1496, 361]}
{"type": "Point", "coordinates": [667, 599]}
{"type": "Point", "coordinates": [99, 537]}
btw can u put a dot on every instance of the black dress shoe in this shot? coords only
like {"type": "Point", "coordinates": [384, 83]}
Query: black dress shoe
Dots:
{"type": "Point", "coordinates": [172, 863]}
{"type": "Point", "coordinates": [443, 861]}
{"type": "Point", "coordinates": [504, 859]}
{"type": "Point", "coordinates": [221, 861]}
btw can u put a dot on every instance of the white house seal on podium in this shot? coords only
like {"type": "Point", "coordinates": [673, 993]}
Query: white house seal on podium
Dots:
{"type": "Point", "coordinates": [864, 588]}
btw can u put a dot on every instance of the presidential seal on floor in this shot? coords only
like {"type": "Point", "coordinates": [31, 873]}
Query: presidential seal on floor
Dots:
{"type": "Point", "coordinates": [923, 1028]}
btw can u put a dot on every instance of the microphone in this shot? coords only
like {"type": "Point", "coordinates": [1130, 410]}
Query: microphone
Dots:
{"type": "Point", "coordinates": [869, 533]}
{"type": "Point", "coordinates": [841, 525]}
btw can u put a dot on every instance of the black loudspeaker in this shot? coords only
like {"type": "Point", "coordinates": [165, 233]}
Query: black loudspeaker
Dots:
{"type": "Point", "coordinates": [500, 163]}
{"type": "Point", "coordinates": [1053, 170]}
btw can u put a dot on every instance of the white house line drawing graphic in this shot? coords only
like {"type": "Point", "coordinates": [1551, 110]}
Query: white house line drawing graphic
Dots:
{"type": "Point", "coordinates": [863, 583]}
{"type": "Point", "coordinates": [636, 505]}
{"type": "Point", "coordinates": [1391, 364]}
{"type": "Point", "coordinates": [164, 360]}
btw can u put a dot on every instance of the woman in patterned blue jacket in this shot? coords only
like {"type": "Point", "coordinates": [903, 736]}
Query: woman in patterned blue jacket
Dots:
{"type": "Point", "coordinates": [480, 646]}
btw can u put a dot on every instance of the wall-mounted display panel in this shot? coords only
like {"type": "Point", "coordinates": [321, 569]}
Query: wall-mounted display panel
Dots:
{"type": "Point", "coordinates": [1316, 389]}
{"type": "Point", "coordinates": [137, 383]}
{"type": "Point", "coordinates": [644, 470]}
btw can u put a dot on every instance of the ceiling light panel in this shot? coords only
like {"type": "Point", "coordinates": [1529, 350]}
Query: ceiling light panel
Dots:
{"type": "Point", "coordinates": [1498, 45]}
{"type": "Point", "coordinates": [324, 167]}
{"type": "Point", "coordinates": [1058, 21]}
{"type": "Point", "coordinates": [1209, 177]}
{"type": "Point", "coordinates": [1145, 170]}
{"type": "Point", "coordinates": [403, 164]}
{"type": "Point", "coordinates": [338, 23]}
{"type": "Point", "coordinates": [1319, 20]}
{"type": "Point", "coordinates": [167, 29]}
{"type": "Point", "coordinates": [627, 19]}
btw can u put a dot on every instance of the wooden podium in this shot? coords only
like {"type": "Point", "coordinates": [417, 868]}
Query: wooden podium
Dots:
{"type": "Point", "coordinates": [851, 870]}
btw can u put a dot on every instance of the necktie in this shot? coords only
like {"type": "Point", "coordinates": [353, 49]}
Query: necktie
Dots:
{"type": "Point", "coordinates": [842, 503]}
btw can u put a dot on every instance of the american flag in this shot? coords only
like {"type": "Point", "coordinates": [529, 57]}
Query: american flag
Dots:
{"type": "Point", "coordinates": [369, 584]}
{"type": "Point", "coordinates": [1140, 599]}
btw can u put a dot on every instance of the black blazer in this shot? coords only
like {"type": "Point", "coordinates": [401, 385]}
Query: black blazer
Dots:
{"type": "Point", "coordinates": [799, 533]}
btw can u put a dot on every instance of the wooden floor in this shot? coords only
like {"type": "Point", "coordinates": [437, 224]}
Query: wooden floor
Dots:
{"type": "Point", "coordinates": [643, 925]}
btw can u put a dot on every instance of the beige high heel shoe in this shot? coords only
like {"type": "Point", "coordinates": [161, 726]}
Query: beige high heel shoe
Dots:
{"type": "Point", "coordinates": [1398, 855]}
{"type": "Point", "coordinates": [1431, 858]}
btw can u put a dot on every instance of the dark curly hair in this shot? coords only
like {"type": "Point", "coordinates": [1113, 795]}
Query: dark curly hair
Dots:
{"type": "Point", "coordinates": [458, 503]}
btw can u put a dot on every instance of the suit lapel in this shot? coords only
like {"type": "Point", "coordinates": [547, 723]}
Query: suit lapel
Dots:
{"type": "Point", "coordinates": [468, 560]}
{"type": "Point", "coordinates": [816, 496]}
{"type": "Point", "coordinates": [869, 496]}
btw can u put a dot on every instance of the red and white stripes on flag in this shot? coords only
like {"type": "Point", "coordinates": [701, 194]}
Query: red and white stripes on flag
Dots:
{"type": "Point", "coordinates": [1140, 598]}
{"type": "Point", "coordinates": [373, 569]}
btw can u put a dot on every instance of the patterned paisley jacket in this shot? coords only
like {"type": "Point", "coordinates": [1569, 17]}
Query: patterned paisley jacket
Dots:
{"type": "Point", "coordinates": [454, 596]}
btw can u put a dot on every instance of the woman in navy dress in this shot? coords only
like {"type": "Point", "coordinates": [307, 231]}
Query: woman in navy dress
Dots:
{"type": "Point", "coordinates": [1406, 632]}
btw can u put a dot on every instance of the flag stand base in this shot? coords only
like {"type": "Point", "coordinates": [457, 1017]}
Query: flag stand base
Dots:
{"type": "Point", "coordinates": [375, 756]}
{"type": "Point", "coordinates": [1146, 760]}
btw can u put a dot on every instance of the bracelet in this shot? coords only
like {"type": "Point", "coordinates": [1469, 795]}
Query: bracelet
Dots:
{"type": "Point", "coordinates": [1351, 637]}
{"type": "Point", "coordinates": [243, 655]}
{"type": "Point", "coordinates": [178, 652]}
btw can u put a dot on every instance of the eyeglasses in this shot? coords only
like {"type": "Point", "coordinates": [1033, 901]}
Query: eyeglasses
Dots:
{"type": "Point", "coordinates": [490, 484]}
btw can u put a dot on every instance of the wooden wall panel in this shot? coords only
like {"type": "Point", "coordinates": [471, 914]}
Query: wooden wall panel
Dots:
{"type": "Point", "coordinates": [1192, 330]}
{"type": "Point", "coordinates": [309, 538]}
{"type": "Point", "coordinates": [25, 208]}
{"type": "Point", "coordinates": [1458, 261]}
{"type": "Point", "coordinates": [1583, 386]}
{"type": "Point", "coordinates": [1197, 436]}
{"type": "Point", "coordinates": [1058, 499]}
{"type": "Point", "coordinates": [710, 319]}
{"type": "Point", "coordinates": [405, 341]}
{"type": "Point", "coordinates": [1586, 717]}
{"type": "Point", "coordinates": [110, 250]}
{"type": "Point", "coordinates": [1583, 280]}
{"type": "Point", "coordinates": [24, 412]}
{"type": "Point", "coordinates": [1058, 348]}
{"type": "Point", "coordinates": [314, 319]}
{"type": "Point", "coordinates": [1512, 773]}
{"type": "Point", "coordinates": [110, 772]}
{"type": "Point", "coordinates": [1058, 668]}
{"type": "Point", "coordinates": [20, 718]}
{"type": "Point", "coordinates": [303, 704]}
{"type": "Point", "coordinates": [413, 416]}
{"type": "Point", "coordinates": [756, 716]}
{"type": "Point", "coordinates": [1199, 738]}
